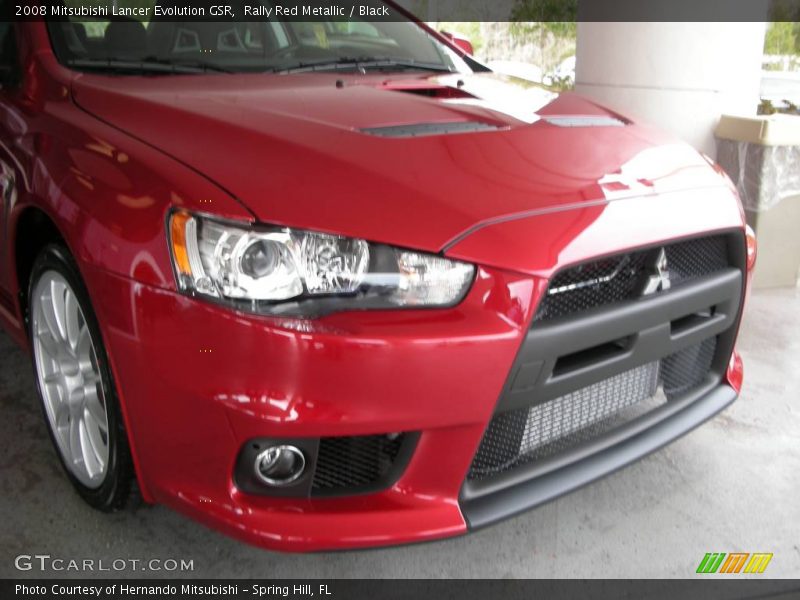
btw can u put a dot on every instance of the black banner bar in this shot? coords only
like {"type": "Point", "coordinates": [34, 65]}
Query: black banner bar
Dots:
{"type": "Point", "coordinates": [733, 588]}
{"type": "Point", "coordinates": [425, 10]}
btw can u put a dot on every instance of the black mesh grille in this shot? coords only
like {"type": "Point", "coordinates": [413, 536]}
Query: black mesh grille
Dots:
{"type": "Point", "coordinates": [557, 426]}
{"type": "Point", "coordinates": [696, 258]}
{"type": "Point", "coordinates": [622, 277]}
{"type": "Point", "coordinates": [349, 463]}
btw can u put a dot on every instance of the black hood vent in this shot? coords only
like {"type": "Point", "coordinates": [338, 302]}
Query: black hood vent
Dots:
{"type": "Point", "coordinates": [426, 129]}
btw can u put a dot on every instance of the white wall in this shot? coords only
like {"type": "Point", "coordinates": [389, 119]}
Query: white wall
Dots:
{"type": "Point", "coordinates": [680, 76]}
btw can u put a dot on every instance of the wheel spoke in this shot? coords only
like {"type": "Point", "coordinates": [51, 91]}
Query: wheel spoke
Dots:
{"type": "Point", "coordinates": [95, 408]}
{"type": "Point", "coordinates": [54, 396]}
{"type": "Point", "coordinates": [53, 378]}
{"type": "Point", "coordinates": [72, 320]}
{"type": "Point", "coordinates": [50, 320]}
{"type": "Point", "coordinates": [74, 442]}
{"type": "Point", "coordinates": [83, 352]}
{"type": "Point", "coordinates": [86, 450]}
{"type": "Point", "coordinates": [91, 461]}
{"type": "Point", "coordinates": [91, 380]}
{"type": "Point", "coordinates": [50, 304]}
{"type": "Point", "coordinates": [58, 301]}
{"type": "Point", "coordinates": [62, 415]}
{"type": "Point", "coordinates": [48, 344]}
{"type": "Point", "coordinates": [96, 443]}
{"type": "Point", "coordinates": [54, 399]}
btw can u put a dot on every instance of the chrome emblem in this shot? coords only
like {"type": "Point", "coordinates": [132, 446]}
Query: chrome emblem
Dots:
{"type": "Point", "coordinates": [659, 277]}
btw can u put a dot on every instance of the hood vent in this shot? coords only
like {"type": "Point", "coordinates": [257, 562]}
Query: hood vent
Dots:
{"type": "Point", "coordinates": [427, 129]}
{"type": "Point", "coordinates": [439, 93]}
{"type": "Point", "coordinates": [585, 121]}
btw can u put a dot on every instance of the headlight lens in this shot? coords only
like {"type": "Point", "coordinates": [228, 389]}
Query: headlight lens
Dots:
{"type": "Point", "coordinates": [292, 272]}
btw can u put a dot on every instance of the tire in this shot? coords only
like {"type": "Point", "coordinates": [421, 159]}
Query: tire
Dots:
{"type": "Point", "coordinates": [76, 388]}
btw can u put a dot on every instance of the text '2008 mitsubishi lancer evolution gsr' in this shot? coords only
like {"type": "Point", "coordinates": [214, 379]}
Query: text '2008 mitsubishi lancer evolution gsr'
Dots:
{"type": "Point", "coordinates": [335, 284]}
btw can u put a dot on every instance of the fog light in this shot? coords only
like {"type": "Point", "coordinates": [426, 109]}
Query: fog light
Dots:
{"type": "Point", "coordinates": [280, 465]}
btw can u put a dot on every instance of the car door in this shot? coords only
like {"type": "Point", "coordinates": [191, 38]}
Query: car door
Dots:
{"type": "Point", "coordinates": [10, 170]}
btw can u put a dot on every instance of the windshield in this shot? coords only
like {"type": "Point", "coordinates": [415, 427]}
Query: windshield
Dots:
{"type": "Point", "coordinates": [269, 44]}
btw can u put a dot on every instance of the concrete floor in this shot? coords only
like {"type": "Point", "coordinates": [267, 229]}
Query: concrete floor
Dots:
{"type": "Point", "coordinates": [731, 486]}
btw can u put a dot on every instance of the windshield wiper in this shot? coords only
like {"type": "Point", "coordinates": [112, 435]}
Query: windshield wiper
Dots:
{"type": "Point", "coordinates": [145, 65]}
{"type": "Point", "coordinates": [345, 63]}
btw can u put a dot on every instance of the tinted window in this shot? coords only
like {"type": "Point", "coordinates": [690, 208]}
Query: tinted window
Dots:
{"type": "Point", "coordinates": [9, 59]}
{"type": "Point", "coordinates": [264, 45]}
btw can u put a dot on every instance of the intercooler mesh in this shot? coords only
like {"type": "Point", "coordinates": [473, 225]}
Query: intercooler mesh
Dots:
{"type": "Point", "coordinates": [347, 463]}
{"type": "Point", "coordinates": [557, 426]}
{"type": "Point", "coordinates": [621, 277]}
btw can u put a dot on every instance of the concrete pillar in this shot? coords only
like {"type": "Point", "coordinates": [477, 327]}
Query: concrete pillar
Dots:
{"type": "Point", "coordinates": [679, 76]}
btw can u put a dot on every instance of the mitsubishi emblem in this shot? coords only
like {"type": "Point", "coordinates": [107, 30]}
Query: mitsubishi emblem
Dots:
{"type": "Point", "coordinates": [659, 277]}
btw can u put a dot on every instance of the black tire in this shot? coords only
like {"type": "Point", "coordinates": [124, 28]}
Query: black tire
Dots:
{"type": "Point", "coordinates": [117, 484]}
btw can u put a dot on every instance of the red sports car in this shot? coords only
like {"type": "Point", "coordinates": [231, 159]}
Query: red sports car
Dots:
{"type": "Point", "coordinates": [336, 284]}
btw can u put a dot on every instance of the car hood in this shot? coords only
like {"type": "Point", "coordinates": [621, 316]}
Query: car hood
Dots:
{"type": "Point", "coordinates": [411, 160]}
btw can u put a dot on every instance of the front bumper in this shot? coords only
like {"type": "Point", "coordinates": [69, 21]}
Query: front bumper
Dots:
{"type": "Point", "coordinates": [197, 382]}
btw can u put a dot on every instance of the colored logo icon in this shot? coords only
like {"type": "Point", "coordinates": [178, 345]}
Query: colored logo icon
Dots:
{"type": "Point", "coordinates": [735, 562]}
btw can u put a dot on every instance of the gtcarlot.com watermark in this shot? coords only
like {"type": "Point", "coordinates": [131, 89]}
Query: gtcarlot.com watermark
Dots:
{"type": "Point", "coordinates": [46, 562]}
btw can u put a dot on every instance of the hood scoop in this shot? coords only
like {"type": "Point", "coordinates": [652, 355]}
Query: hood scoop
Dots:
{"type": "Point", "coordinates": [427, 89]}
{"type": "Point", "coordinates": [429, 129]}
{"type": "Point", "coordinates": [438, 93]}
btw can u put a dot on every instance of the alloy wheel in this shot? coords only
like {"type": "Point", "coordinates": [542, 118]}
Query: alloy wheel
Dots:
{"type": "Point", "coordinates": [69, 379]}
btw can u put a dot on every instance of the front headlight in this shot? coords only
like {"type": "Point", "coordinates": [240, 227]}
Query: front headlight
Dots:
{"type": "Point", "coordinates": [293, 272]}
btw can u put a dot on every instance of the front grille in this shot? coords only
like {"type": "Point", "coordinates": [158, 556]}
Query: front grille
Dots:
{"type": "Point", "coordinates": [555, 427]}
{"type": "Point", "coordinates": [623, 276]}
{"type": "Point", "coordinates": [349, 464]}
{"type": "Point", "coordinates": [696, 258]}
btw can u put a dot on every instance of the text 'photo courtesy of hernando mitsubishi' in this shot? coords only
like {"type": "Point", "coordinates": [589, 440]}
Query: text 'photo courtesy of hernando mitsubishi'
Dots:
{"type": "Point", "coordinates": [334, 283]}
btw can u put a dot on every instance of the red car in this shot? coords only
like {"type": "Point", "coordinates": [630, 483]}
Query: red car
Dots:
{"type": "Point", "coordinates": [335, 285]}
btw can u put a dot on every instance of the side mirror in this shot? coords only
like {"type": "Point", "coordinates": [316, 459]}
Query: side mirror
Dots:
{"type": "Point", "coordinates": [459, 41]}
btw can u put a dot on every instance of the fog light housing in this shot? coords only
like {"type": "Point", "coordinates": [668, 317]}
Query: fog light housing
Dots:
{"type": "Point", "coordinates": [280, 465]}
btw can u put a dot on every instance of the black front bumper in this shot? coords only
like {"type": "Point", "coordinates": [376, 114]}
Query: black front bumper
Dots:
{"type": "Point", "coordinates": [527, 490]}
{"type": "Point", "coordinates": [578, 371]}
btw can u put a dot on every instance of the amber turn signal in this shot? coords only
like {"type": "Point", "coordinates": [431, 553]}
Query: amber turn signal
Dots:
{"type": "Point", "coordinates": [178, 223]}
{"type": "Point", "coordinates": [752, 247]}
